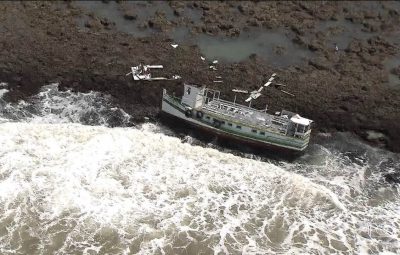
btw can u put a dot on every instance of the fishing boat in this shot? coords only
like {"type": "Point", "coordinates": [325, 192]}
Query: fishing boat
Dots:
{"type": "Point", "coordinates": [203, 108]}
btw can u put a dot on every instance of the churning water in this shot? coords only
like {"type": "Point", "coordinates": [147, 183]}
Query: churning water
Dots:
{"type": "Point", "coordinates": [69, 188]}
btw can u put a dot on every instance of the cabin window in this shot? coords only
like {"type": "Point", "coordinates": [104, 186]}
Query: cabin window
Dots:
{"type": "Point", "coordinates": [262, 133]}
{"type": "Point", "coordinates": [230, 124]}
{"type": "Point", "coordinates": [188, 91]}
{"type": "Point", "coordinates": [238, 127]}
{"type": "Point", "coordinates": [254, 131]}
{"type": "Point", "coordinates": [300, 128]}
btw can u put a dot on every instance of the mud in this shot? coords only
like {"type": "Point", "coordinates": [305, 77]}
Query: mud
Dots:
{"type": "Point", "coordinates": [352, 89]}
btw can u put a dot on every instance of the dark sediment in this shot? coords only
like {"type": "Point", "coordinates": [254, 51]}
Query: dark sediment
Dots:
{"type": "Point", "coordinates": [41, 42]}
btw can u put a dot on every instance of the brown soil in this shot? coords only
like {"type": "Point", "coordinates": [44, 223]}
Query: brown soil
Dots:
{"type": "Point", "coordinates": [41, 42]}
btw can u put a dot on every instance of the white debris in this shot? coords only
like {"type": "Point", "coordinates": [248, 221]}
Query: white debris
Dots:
{"type": "Point", "coordinates": [217, 81]}
{"type": "Point", "coordinates": [267, 84]}
{"type": "Point", "coordinates": [154, 66]}
{"type": "Point", "coordinates": [215, 61]}
{"type": "Point", "coordinates": [142, 72]}
{"type": "Point", "coordinates": [176, 77]}
{"type": "Point", "coordinates": [213, 68]}
{"type": "Point", "coordinates": [218, 77]}
{"type": "Point", "coordinates": [240, 91]}
{"type": "Point", "coordinates": [174, 45]}
{"type": "Point", "coordinates": [202, 58]}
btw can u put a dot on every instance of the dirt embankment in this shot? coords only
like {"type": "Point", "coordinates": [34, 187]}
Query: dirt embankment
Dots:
{"type": "Point", "coordinates": [41, 42]}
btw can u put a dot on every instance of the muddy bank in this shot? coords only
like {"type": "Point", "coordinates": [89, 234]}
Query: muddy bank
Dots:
{"type": "Point", "coordinates": [346, 90]}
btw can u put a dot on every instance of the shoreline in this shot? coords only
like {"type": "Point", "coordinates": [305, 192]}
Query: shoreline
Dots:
{"type": "Point", "coordinates": [41, 43]}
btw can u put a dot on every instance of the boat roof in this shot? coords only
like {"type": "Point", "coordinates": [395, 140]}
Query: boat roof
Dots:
{"type": "Point", "coordinates": [300, 120]}
{"type": "Point", "coordinates": [244, 114]}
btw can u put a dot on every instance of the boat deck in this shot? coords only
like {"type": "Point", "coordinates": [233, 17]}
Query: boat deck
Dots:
{"type": "Point", "coordinates": [246, 114]}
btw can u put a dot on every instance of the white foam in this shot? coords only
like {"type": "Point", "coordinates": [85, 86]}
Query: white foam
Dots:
{"type": "Point", "coordinates": [2, 92]}
{"type": "Point", "coordinates": [51, 105]}
{"type": "Point", "coordinates": [146, 192]}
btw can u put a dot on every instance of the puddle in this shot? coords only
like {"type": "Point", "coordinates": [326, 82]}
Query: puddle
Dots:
{"type": "Point", "coordinates": [275, 46]}
{"type": "Point", "coordinates": [114, 12]}
{"type": "Point", "coordinates": [266, 44]}
{"type": "Point", "coordinates": [194, 14]}
{"type": "Point", "coordinates": [342, 32]}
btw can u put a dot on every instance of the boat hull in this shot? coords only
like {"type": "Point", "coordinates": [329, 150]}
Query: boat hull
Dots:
{"type": "Point", "coordinates": [228, 140]}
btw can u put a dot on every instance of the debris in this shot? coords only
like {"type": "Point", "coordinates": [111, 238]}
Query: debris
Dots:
{"type": "Point", "coordinates": [213, 68]}
{"type": "Point", "coordinates": [270, 80]}
{"type": "Point", "coordinates": [142, 72]}
{"type": "Point", "coordinates": [240, 91]}
{"type": "Point", "coordinates": [202, 58]}
{"type": "Point", "coordinates": [254, 95]}
{"type": "Point", "coordinates": [215, 62]}
{"type": "Point", "coordinates": [267, 84]}
{"type": "Point", "coordinates": [218, 77]}
{"type": "Point", "coordinates": [174, 45]}
{"type": "Point", "coordinates": [217, 81]}
{"type": "Point", "coordinates": [290, 94]}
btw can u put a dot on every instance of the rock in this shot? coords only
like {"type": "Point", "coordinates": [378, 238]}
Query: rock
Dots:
{"type": "Point", "coordinates": [299, 40]}
{"type": "Point", "coordinates": [371, 26]}
{"type": "Point", "coordinates": [355, 17]}
{"type": "Point", "coordinates": [371, 60]}
{"type": "Point", "coordinates": [234, 32]}
{"type": "Point", "coordinates": [393, 178]}
{"type": "Point", "coordinates": [395, 71]}
{"type": "Point", "coordinates": [130, 15]}
{"type": "Point", "coordinates": [178, 12]}
{"type": "Point", "coordinates": [393, 12]}
{"type": "Point", "coordinates": [93, 24]}
{"type": "Point", "coordinates": [204, 5]}
{"type": "Point", "coordinates": [297, 29]}
{"type": "Point", "coordinates": [354, 46]}
{"type": "Point", "coordinates": [243, 7]}
{"type": "Point", "coordinates": [321, 63]}
{"type": "Point", "coordinates": [370, 15]}
{"type": "Point", "coordinates": [211, 29]}
{"type": "Point", "coordinates": [254, 22]}
{"type": "Point", "coordinates": [106, 22]}
{"type": "Point", "coordinates": [159, 22]}
{"type": "Point", "coordinates": [280, 50]}
{"type": "Point", "coordinates": [143, 25]}
{"type": "Point", "coordinates": [314, 45]}
{"type": "Point", "coordinates": [225, 26]}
